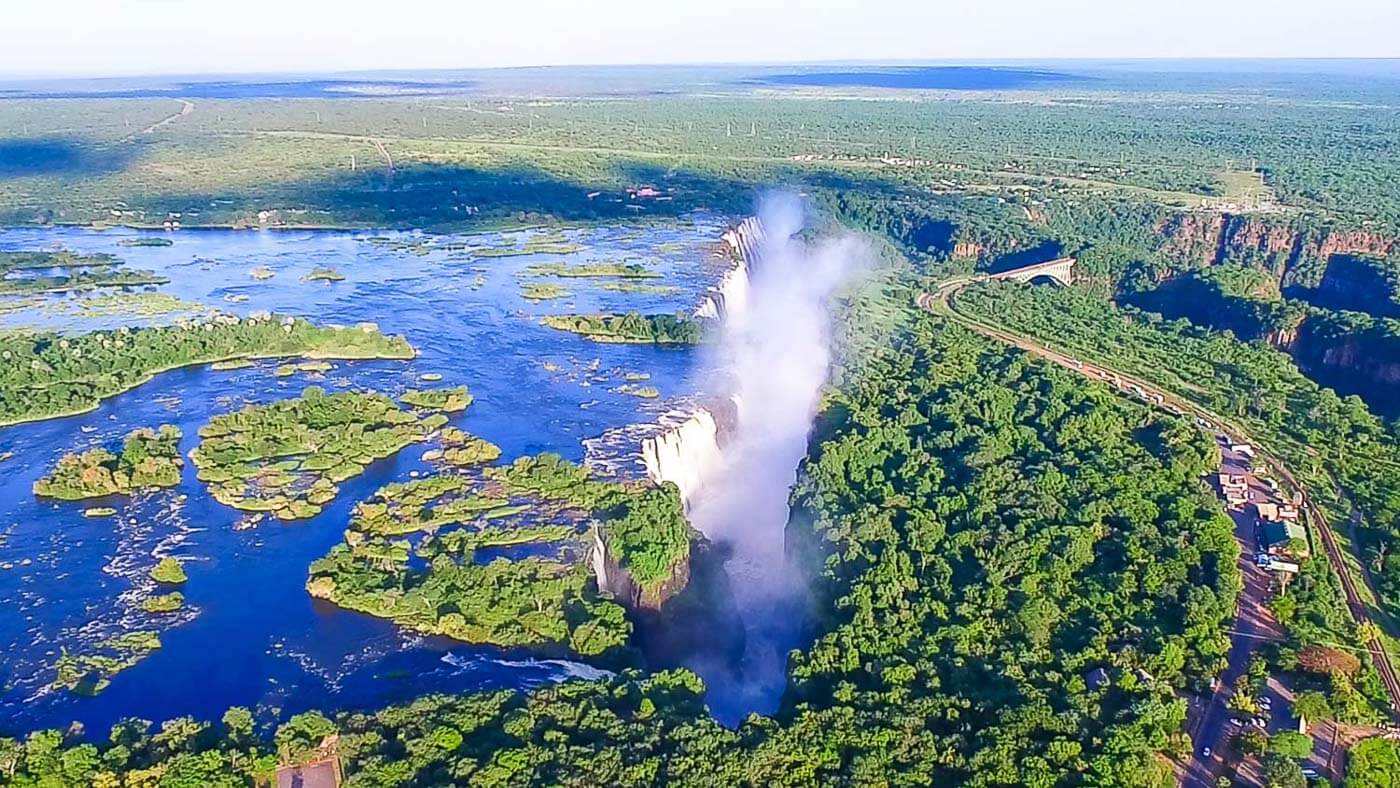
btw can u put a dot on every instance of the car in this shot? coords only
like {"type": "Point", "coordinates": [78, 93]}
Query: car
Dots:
{"type": "Point", "coordinates": [1310, 773]}
{"type": "Point", "coordinates": [1266, 703]}
{"type": "Point", "coordinates": [1205, 753]}
{"type": "Point", "coordinates": [1259, 722]}
{"type": "Point", "coordinates": [1237, 722]}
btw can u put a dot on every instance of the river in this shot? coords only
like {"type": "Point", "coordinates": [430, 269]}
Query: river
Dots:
{"type": "Point", "coordinates": [252, 636]}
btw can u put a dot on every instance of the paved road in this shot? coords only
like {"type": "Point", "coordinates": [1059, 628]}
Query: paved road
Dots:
{"type": "Point", "coordinates": [1250, 623]}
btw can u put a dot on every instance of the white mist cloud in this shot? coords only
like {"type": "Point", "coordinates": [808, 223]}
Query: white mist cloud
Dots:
{"type": "Point", "coordinates": [778, 354]}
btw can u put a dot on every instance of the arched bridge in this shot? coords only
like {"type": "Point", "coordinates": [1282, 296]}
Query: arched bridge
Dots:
{"type": "Point", "coordinates": [1061, 270]}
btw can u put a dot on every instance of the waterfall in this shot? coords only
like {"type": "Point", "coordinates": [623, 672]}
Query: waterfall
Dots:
{"type": "Point", "coordinates": [689, 448]}
{"type": "Point", "coordinates": [731, 296]}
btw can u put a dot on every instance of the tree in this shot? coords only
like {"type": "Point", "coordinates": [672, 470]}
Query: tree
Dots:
{"type": "Point", "coordinates": [1312, 706]}
{"type": "Point", "coordinates": [1373, 763]}
{"type": "Point", "coordinates": [1282, 772]}
{"type": "Point", "coordinates": [1291, 744]}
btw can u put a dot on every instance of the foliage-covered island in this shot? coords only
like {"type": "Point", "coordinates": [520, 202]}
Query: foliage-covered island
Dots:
{"type": "Point", "coordinates": [46, 375]}
{"type": "Point", "coordinates": [287, 457]}
{"type": "Point", "coordinates": [57, 272]}
{"type": "Point", "coordinates": [633, 328]}
{"type": "Point", "coordinates": [148, 458]}
{"type": "Point", "coordinates": [546, 600]}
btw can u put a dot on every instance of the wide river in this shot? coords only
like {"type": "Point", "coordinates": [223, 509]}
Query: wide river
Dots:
{"type": "Point", "coordinates": [251, 635]}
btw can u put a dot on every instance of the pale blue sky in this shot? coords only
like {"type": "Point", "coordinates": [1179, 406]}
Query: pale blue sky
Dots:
{"type": "Point", "coordinates": [102, 37]}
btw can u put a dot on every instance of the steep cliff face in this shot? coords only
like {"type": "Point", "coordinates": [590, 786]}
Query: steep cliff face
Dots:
{"type": "Point", "coordinates": [1351, 354]}
{"type": "Point", "coordinates": [614, 579]}
{"type": "Point", "coordinates": [1360, 284]}
{"type": "Point", "coordinates": [1293, 251]}
{"type": "Point", "coordinates": [686, 447]}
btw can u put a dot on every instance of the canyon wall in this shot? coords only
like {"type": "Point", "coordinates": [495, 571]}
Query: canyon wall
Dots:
{"type": "Point", "coordinates": [1296, 252]}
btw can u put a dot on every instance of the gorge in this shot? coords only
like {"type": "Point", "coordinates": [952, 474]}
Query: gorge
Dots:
{"type": "Point", "coordinates": [735, 457]}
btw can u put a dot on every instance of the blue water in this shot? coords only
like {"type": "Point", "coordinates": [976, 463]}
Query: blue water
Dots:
{"type": "Point", "coordinates": [252, 636]}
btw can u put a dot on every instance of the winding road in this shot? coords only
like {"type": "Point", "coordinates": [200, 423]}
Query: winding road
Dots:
{"type": "Point", "coordinates": [1252, 619]}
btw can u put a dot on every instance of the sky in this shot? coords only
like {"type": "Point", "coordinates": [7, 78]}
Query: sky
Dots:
{"type": "Point", "coordinates": [133, 37]}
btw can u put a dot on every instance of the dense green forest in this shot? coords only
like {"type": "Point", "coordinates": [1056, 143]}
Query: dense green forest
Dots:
{"type": "Point", "coordinates": [1330, 442]}
{"type": "Point", "coordinates": [548, 603]}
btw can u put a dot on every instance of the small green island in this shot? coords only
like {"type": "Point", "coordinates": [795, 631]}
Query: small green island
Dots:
{"type": "Point", "coordinates": [148, 459]}
{"type": "Point", "coordinates": [632, 327]}
{"type": "Point", "coordinates": [323, 273]}
{"type": "Point", "coordinates": [169, 571]}
{"type": "Point", "coordinates": [287, 457]}
{"type": "Point", "coordinates": [542, 291]}
{"type": "Point", "coordinates": [546, 602]}
{"type": "Point", "coordinates": [28, 273]}
{"type": "Point", "coordinates": [445, 400]}
{"type": "Point", "coordinates": [463, 449]}
{"type": "Point", "coordinates": [591, 271]}
{"type": "Point", "coordinates": [146, 240]}
{"type": "Point", "coordinates": [45, 375]}
{"type": "Point", "coordinates": [91, 673]}
{"type": "Point", "coordinates": [163, 603]}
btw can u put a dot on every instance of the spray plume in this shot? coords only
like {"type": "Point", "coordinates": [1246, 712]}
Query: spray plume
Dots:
{"type": "Point", "coordinates": [777, 353]}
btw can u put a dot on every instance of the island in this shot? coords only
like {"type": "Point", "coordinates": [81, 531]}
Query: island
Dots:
{"type": "Point", "coordinates": [90, 673]}
{"type": "Point", "coordinates": [24, 273]}
{"type": "Point", "coordinates": [45, 375]}
{"type": "Point", "coordinates": [148, 458]}
{"type": "Point", "coordinates": [632, 328]}
{"type": "Point", "coordinates": [446, 400]}
{"type": "Point", "coordinates": [414, 554]}
{"type": "Point", "coordinates": [591, 271]}
{"type": "Point", "coordinates": [286, 457]}
{"type": "Point", "coordinates": [323, 273]}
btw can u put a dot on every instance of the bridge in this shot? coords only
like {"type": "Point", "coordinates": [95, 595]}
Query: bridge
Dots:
{"type": "Point", "coordinates": [1061, 271]}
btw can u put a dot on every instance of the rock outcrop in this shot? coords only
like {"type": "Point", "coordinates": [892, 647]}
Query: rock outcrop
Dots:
{"type": "Point", "coordinates": [614, 579]}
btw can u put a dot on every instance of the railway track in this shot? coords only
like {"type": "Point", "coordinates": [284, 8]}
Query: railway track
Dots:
{"type": "Point", "coordinates": [940, 302]}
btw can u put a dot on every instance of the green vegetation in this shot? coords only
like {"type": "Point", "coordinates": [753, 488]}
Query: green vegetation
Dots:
{"type": "Point", "coordinates": [163, 603]}
{"type": "Point", "coordinates": [287, 457]}
{"type": "Point", "coordinates": [19, 273]}
{"type": "Point", "coordinates": [46, 375]}
{"type": "Point", "coordinates": [323, 273]}
{"type": "Point", "coordinates": [645, 392]}
{"type": "Point", "coordinates": [149, 458]}
{"type": "Point", "coordinates": [635, 287]}
{"type": "Point", "coordinates": [949, 481]}
{"type": "Point", "coordinates": [453, 400]}
{"type": "Point", "coordinates": [542, 291]}
{"type": "Point", "coordinates": [1327, 441]}
{"type": "Point", "coordinates": [145, 240]}
{"type": "Point", "coordinates": [592, 271]}
{"type": "Point", "coordinates": [99, 511]}
{"type": "Point", "coordinates": [631, 328]}
{"type": "Point", "coordinates": [542, 603]}
{"type": "Point", "coordinates": [1373, 763]}
{"type": "Point", "coordinates": [460, 448]}
{"type": "Point", "coordinates": [91, 673]}
{"type": "Point", "coordinates": [169, 571]}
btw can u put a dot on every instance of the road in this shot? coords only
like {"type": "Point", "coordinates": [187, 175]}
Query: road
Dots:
{"type": "Point", "coordinates": [1249, 620]}
{"type": "Point", "coordinates": [186, 107]}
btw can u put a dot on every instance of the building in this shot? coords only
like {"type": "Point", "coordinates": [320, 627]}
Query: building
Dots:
{"type": "Point", "coordinates": [322, 770]}
{"type": "Point", "coordinates": [1278, 535]}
